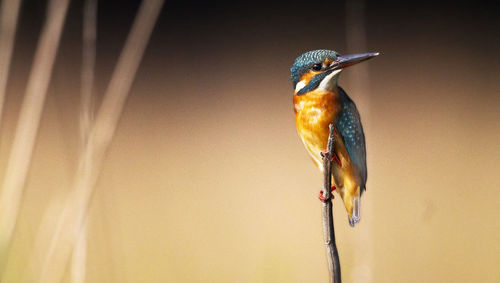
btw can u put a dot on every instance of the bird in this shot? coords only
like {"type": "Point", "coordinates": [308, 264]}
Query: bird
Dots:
{"type": "Point", "coordinates": [319, 101]}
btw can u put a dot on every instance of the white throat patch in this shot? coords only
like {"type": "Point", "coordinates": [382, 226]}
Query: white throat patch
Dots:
{"type": "Point", "coordinates": [300, 85]}
{"type": "Point", "coordinates": [330, 81]}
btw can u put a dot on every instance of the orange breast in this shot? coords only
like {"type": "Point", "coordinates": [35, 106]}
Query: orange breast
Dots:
{"type": "Point", "coordinates": [314, 111]}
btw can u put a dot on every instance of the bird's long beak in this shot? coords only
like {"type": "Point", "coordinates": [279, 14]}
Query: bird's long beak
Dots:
{"type": "Point", "coordinates": [344, 61]}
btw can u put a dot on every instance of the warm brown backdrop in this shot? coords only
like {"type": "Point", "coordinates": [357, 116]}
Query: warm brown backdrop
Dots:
{"type": "Point", "coordinates": [206, 180]}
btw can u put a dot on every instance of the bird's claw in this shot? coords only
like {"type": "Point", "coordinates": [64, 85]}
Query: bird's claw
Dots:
{"type": "Point", "coordinates": [331, 159]}
{"type": "Point", "coordinates": [323, 198]}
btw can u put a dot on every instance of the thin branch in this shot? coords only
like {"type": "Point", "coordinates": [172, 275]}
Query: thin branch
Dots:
{"type": "Point", "coordinates": [75, 213]}
{"type": "Point", "coordinates": [79, 257]}
{"type": "Point", "coordinates": [29, 120]}
{"type": "Point", "coordinates": [9, 12]}
{"type": "Point", "coordinates": [328, 228]}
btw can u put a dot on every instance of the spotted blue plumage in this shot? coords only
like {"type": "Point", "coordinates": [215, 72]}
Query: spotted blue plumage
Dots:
{"type": "Point", "coordinates": [351, 130]}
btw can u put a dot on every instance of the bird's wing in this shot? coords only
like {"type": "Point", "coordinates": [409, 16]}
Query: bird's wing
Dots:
{"type": "Point", "coordinates": [351, 130]}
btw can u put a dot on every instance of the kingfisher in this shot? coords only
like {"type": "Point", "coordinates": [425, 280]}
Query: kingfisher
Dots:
{"type": "Point", "coordinates": [319, 101]}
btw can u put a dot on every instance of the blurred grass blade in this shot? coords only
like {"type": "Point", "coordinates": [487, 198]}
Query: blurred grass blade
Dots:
{"type": "Point", "coordinates": [79, 258]}
{"type": "Point", "coordinates": [56, 253]}
{"type": "Point", "coordinates": [356, 39]}
{"type": "Point", "coordinates": [29, 118]}
{"type": "Point", "coordinates": [87, 72]}
{"type": "Point", "coordinates": [9, 12]}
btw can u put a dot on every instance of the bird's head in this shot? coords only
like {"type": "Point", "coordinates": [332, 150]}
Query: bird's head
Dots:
{"type": "Point", "coordinates": [319, 69]}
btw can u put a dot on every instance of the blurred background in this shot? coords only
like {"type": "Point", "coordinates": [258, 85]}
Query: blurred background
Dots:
{"type": "Point", "coordinates": [206, 179]}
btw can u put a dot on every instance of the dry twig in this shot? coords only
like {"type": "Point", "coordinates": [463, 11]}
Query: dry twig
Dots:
{"type": "Point", "coordinates": [328, 228]}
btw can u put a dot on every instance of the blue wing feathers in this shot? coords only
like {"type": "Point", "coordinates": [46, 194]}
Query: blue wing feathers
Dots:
{"type": "Point", "coordinates": [351, 130]}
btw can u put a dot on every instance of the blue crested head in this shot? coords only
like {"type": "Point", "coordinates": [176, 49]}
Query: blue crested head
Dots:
{"type": "Point", "coordinates": [320, 69]}
{"type": "Point", "coordinates": [312, 62]}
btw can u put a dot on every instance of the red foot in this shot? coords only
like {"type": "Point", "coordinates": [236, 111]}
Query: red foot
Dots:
{"type": "Point", "coordinates": [322, 198]}
{"type": "Point", "coordinates": [335, 157]}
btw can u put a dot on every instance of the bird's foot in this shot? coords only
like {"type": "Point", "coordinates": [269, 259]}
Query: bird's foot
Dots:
{"type": "Point", "coordinates": [334, 157]}
{"type": "Point", "coordinates": [322, 198]}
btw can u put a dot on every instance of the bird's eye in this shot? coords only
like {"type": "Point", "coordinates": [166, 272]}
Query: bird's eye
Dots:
{"type": "Point", "coordinates": [317, 67]}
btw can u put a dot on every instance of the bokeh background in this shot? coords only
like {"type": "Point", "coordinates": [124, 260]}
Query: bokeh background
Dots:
{"type": "Point", "coordinates": [206, 179]}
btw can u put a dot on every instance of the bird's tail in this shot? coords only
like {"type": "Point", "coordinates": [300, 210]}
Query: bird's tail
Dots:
{"type": "Point", "coordinates": [355, 216]}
